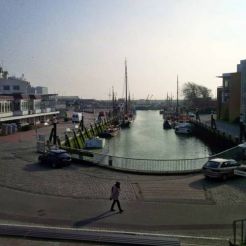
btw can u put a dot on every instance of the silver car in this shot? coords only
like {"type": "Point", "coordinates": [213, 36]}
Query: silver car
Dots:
{"type": "Point", "coordinates": [219, 168]}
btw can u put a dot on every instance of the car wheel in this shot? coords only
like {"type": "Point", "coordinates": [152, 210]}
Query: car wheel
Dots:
{"type": "Point", "coordinates": [53, 165]}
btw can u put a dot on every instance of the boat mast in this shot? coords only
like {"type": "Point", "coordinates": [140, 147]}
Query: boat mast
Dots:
{"type": "Point", "coordinates": [126, 106]}
{"type": "Point", "coordinates": [177, 106]}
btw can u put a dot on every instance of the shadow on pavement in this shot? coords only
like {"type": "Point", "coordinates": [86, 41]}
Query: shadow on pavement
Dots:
{"type": "Point", "coordinates": [36, 167]}
{"type": "Point", "coordinates": [85, 222]}
{"type": "Point", "coordinates": [204, 183]}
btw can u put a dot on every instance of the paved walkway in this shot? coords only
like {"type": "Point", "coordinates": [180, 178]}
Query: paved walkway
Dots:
{"type": "Point", "coordinates": [229, 128]}
{"type": "Point", "coordinates": [78, 196]}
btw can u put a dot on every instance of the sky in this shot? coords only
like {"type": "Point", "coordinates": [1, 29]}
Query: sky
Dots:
{"type": "Point", "coordinates": [78, 47]}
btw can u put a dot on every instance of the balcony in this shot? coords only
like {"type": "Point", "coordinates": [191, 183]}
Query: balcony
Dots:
{"type": "Point", "coordinates": [7, 114]}
{"type": "Point", "coordinates": [20, 112]}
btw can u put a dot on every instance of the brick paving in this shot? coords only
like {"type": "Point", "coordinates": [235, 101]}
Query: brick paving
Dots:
{"type": "Point", "coordinates": [178, 202]}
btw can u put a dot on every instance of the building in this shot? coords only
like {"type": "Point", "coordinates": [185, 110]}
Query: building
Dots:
{"type": "Point", "coordinates": [40, 90]}
{"type": "Point", "coordinates": [23, 104]}
{"type": "Point", "coordinates": [6, 106]}
{"type": "Point", "coordinates": [228, 97]}
{"type": "Point", "coordinates": [241, 68]}
{"type": "Point", "coordinates": [11, 85]}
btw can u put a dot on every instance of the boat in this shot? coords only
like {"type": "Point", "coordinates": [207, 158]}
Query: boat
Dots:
{"type": "Point", "coordinates": [183, 128]}
{"type": "Point", "coordinates": [95, 143]}
{"type": "Point", "coordinates": [167, 125]}
{"type": "Point", "coordinates": [110, 132]}
{"type": "Point", "coordinates": [125, 121]}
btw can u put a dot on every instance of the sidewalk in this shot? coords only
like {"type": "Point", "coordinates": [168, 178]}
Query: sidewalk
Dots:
{"type": "Point", "coordinates": [223, 126]}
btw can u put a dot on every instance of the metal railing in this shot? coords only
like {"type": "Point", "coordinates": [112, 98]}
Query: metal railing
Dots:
{"type": "Point", "coordinates": [150, 165]}
{"type": "Point", "coordinates": [236, 153]}
{"type": "Point", "coordinates": [239, 232]}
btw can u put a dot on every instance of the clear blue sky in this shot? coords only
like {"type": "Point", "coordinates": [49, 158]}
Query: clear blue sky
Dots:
{"type": "Point", "coordinates": [78, 47]}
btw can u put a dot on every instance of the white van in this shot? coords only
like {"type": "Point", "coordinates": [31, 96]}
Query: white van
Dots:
{"type": "Point", "coordinates": [76, 117]}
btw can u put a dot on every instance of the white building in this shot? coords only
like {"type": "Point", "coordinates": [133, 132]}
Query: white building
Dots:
{"type": "Point", "coordinates": [21, 103]}
{"type": "Point", "coordinates": [6, 106]}
{"type": "Point", "coordinates": [14, 85]}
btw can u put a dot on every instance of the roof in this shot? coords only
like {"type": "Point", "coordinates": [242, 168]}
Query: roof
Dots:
{"type": "Point", "coordinates": [34, 96]}
{"type": "Point", "coordinates": [11, 118]}
{"type": "Point", "coordinates": [6, 97]}
{"type": "Point", "coordinates": [20, 96]}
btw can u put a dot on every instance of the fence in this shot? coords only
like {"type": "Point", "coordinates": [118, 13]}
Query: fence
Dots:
{"type": "Point", "coordinates": [237, 153]}
{"type": "Point", "coordinates": [239, 232]}
{"type": "Point", "coordinates": [152, 165]}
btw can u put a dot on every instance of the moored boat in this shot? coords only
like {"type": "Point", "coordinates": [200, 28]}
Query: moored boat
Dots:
{"type": "Point", "coordinates": [112, 131]}
{"type": "Point", "coordinates": [95, 143]}
{"type": "Point", "coordinates": [183, 128]}
{"type": "Point", "coordinates": [167, 125]}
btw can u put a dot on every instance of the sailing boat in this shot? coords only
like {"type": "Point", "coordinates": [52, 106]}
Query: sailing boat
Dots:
{"type": "Point", "coordinates": [125, 121]}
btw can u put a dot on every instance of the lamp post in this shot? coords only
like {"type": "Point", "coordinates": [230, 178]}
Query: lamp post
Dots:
{"type": "Point", "coordinates": [55, 129]}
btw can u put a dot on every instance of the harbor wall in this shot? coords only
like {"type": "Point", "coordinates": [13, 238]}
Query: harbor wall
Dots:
{"type": "Point", "coordinates": [217, 140]}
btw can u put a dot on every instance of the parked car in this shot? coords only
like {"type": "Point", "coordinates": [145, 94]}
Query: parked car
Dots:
{"type": "Point", "coordinates": [220, 168]}
{"type": "Point", "coordinates": [55, 158]}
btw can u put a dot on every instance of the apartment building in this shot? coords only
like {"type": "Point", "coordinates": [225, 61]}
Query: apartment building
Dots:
{"type": "Point", "coordinates": [228, 97]}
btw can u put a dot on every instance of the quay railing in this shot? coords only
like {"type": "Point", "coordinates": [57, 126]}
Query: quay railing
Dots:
{"type": "Point", "coordinates": [150, 165]}
{"type": "Point", "coordinates": [239, 232]}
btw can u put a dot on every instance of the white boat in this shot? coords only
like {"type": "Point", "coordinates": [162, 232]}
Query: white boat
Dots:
{"type": "Point", "coordinates": [95, 143]}
{"type": "Point", "coordinates": [183, 128]}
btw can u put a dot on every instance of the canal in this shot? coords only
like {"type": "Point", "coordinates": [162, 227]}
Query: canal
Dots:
{"type": "Point", "coordinates": [146, 139]}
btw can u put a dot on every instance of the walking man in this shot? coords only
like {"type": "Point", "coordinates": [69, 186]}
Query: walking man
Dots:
{"type": "Point", "coordinates": [115, 192]}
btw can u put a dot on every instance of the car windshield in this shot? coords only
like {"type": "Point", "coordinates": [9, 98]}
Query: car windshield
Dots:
{"type": "Point", "coordinates": [63, 154]}
{"type": "Point", "coordinates": [213, 164]}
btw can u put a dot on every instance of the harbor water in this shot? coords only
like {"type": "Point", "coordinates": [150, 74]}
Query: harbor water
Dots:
{"type": "Point", "coordinates": [146, 139]}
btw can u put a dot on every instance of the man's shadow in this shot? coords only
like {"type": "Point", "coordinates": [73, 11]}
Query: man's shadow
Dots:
{"type": "Point", "coordinates": [85, 222]}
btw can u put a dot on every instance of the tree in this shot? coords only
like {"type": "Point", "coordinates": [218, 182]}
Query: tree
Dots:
{"type": "Point", "coordinates": [204, 92]}
{"type": "Point", "coordinates": [193, 91]}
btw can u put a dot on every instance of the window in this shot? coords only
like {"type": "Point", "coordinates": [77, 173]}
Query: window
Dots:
{"type": "Point", "coordinates": [6, 87]}
{"type": "Point", "coordinates": [226, 83]}
{"type": "Point", "coordinates": [225, 164]}
{"type": "Point", "coordinates": [16, 87]}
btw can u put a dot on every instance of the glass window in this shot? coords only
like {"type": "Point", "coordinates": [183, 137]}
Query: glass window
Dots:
{"type": "Point", "coordinates": [16, 87]}
{"type": "Point", "coordinates": [225, 164]}
{"type": "Point", "coordinates": [213, 164]}
{"type": "Point", "coordinates": [6, 87]}
{"type": "Point", "coordinates": [226, 83]}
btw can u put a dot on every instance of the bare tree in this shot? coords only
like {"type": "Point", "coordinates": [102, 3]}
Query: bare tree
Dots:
{"type": "Point", "coordinates": [193, 91]}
